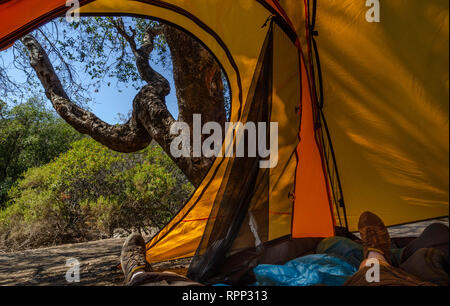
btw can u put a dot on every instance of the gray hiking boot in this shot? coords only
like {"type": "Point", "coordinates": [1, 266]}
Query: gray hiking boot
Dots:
{"type": "Point", "coordinates": [132, 258]}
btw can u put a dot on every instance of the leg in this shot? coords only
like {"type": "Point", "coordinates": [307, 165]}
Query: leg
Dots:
{"type": "Point", "coordinates": [430, 264]}
{"type": "Point", "coordinates": [132, 257]}
{"type": "Point", "coordinates": [137, 270]}
{"type": "Point", "coordinates": [388, 275]}
{"type": "Point", "coordinates": [376, 243]}
{"type": "Point", "coordinates": [436, 236]}
{"type": "Point", "coordinates": [427, 256]}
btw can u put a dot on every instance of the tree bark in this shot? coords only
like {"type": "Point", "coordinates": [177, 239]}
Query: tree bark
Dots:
{"type": "Point", "coordinates": [199, 90]}
{"type": "Point", "coordinates": [197, 77]}
{"type": "Point", "coordinates": [129, 137]}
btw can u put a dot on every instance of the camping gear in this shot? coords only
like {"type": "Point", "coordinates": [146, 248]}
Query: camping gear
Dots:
{"type": "Point", "coordinates": [362, 112]}
{"type": "Point", "coordinates": [317, 269]}
{"type": "Point", "coordinates": [351, 250]}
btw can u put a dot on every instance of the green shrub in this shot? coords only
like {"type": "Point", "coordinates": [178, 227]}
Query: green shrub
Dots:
{"type": "Point", "coordinates": [30, 136]}
{"type": "Point", "coordinates": [88, 192]}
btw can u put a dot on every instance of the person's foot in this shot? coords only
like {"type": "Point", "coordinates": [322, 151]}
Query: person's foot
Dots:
{"type": "Point", "coordinates": [132, 258]}
{"type": "Point", "coordinates": [374, 235]}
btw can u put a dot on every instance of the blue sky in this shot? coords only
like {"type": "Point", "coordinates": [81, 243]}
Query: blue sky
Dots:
{"type": "Point", "coordinates": [108, 101]}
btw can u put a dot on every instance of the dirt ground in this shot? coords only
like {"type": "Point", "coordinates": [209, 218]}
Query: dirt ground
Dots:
{"type": "Point", "coordinates": [47, 266]}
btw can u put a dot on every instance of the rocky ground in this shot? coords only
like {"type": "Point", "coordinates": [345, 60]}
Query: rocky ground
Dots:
{"type": "Point", "coordinates": [97, 259]}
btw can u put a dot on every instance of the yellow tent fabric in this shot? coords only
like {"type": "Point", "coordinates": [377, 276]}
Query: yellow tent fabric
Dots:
{"type": "Point", "coordinates": [385, 88]}
{"type": "Point", "coordinates": [181, 237]}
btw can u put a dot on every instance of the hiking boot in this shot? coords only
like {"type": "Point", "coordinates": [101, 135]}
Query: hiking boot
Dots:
{"type": "Point", "coordinates": [374, 235]}
{"type": "Point", "coordinates": [132, 258]}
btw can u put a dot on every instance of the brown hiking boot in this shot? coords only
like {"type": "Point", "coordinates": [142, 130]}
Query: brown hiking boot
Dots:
{"type": "Point", "coordinates": [374, 235]}
{"type": "Point", "coordinates": [132, 258]}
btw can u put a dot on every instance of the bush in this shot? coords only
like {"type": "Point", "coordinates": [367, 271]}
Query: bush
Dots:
{"type": "Point", "coordinates": [88, 192]}
{"type": "Point", "coordinates": [30, 136]}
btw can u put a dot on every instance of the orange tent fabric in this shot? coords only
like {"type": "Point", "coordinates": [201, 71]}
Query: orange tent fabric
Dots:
{"type": "Point", "coordinates": [17, 17]}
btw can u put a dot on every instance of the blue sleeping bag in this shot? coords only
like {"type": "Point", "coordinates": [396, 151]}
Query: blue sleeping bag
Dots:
{"type": "Point", "coordinates": [306, 271]}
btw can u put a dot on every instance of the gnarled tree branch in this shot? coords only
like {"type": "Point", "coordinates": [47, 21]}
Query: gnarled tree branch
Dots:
{"type": "Point", "coordinates": [199, 90]}
{"type": "Point", "coordinates": [154, 114]}
{"type": "Point", "coordinates": [142, 54]}
{"type": "Point", "coordinates": [129, 137]}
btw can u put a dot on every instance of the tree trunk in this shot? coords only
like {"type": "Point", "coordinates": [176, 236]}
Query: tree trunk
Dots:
{"type": "Point", "coordinates": [199, 90]}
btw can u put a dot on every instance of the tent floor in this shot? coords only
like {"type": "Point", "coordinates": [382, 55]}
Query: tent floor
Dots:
{"type": "Point", "coordinates": [238, 267]}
